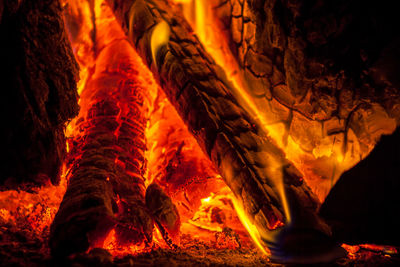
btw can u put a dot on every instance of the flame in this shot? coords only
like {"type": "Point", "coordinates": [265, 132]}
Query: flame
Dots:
{"type": "Point", "coordinates": [218, 49]}
{"type": "Point", "coordinates": [198, 184]}
{"type": "Point", "coordinates": [206, 200]}
{"type": "Point", "coordinates": [203, 199]}
{"type": "Point", "coordinates": [159, 38]}
{"type": "Point", "coordinates": [201, 11]}
{"type": "Point", "coordinates": [338, 160]}
{"type": "Point", "coordinates": [331, 151]}
{"type": "Point", "coordinates": [251, 228]}
{"type": "Point", "coordinates": [177, 163]}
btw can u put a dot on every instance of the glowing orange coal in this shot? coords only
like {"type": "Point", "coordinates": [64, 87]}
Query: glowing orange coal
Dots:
{"type": "Point", "coordinates": [174, 159]}
{"type": "Point", "coordinates": [208, 209]}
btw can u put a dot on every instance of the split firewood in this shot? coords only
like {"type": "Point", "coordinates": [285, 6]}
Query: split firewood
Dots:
{"type": "Point", "coordinates": [106, 186]}
{"type": "Point", "coordinates": [251, 164]}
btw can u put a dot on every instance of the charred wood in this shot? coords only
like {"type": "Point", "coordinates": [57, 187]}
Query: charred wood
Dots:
{"type": "Point", "coordinates": [322, 61]}
{"type": "Point", "coordinates": [39, 96]}
{"type": "Point", "coordinates": [245, 156]}
{"type": "Point", "coordinates": [106, 186]}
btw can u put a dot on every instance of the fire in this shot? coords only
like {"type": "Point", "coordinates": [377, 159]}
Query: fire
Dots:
{"type": "Point", "coordinates": [174, 159]}
{"type": "Point", "coordinates": [216, 46]}
{"type": "Point", "coordinates": [176, 162]}
{"type": "Point", "coordinates": [32, 211]}
{"type": "Point", "coordinates": [333, 155]}
{"type": "Point", "coordinates": [332, 152]}
{"type": "Point", "coordinates": [112, 244]}
{"type": "Point", "coordinates": [368, 250]}
{"type": "Point", "coordinates": [251, 228]}
{"type": "Point", "coordinates": [159, 38]}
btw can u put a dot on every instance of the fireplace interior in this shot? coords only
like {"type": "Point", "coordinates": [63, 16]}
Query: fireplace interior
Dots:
{"type": "Point", "coordinates": [199, 133]}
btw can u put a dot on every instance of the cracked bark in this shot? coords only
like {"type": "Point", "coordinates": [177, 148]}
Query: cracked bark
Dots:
{"type": "Point", "coordinates": [320, 63]}
{"type": "Point", "coordinates": [106, 185]}
{"type": "Point", "coordinates": [38, 95]}
{"type": "Point", "coordinates": [246, 158]}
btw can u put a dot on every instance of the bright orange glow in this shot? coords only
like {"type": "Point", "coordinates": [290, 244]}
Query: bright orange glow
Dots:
{"type": "Point", "coordinates": [201, 196]}
{"type": "Point", "coordinates": [32, 211]}
{"type": "Point", "coordinates": [251, 228]}
{"type": "Point", "coordinates": [384, 249]}
{"type": "Point", "coordinates": [209, 210]}
{"type": "Point", "coordinates": [355, 251]}
{"type": "Point", "coordinates": [329, 153]}
{"type": "Point", "coordinates": [159, 38]}
{"type": "Point", "coordinates": [112, 245]}
{"type": "Point", "coordinates": [201, 15]}
{"type": "Point", "coordinates": [217, 47]}
{"type": "Point", "coordinates": [109, 77]}
{"type": "Point", "coordinates": [335, 158]}
{"type": "Point", "coordinates": [176, 162]}
{"type": "Point", "coordinates": [351, 250]}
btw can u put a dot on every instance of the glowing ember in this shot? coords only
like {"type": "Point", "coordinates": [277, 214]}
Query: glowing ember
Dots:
{"type": "Point", "coordinates": [112, 244]}
{"type": "Point", "coordinates": [175, 160]}
{"type": "Point", "coordinates": [207, 207]}
{"type": "Point", "coordinates": [367, 250]}
{"type": "Point", "coordinates": [32, 211]}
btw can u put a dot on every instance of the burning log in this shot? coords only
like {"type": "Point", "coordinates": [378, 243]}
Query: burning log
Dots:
{"type": "Point", "coordinates": [164, 212]}
{"type": "Point", "coordinates": [319, 70]}
{"type": "Point", "coordinates": [39, 75]}
{"type": "Point", "coordinates": [106, 186]}
{"type": "Point", "coordinates": [252, 165]}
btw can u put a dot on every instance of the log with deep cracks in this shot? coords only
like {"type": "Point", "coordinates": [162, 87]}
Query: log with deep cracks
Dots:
{"type": "Point", "coordinates": [247, 159]}
{"type": "Point", "coordinates": [106, 186]}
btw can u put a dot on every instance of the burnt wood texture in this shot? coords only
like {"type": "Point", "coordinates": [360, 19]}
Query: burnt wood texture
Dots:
{"type": "Point", "coordinates": [38, 92]}
{"type": "Point", "coordinates": [106, 187]}
{"type": "Point", "coordinates": [247, 159]}
{"type": "Point", "coordinates": [332, 65]}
